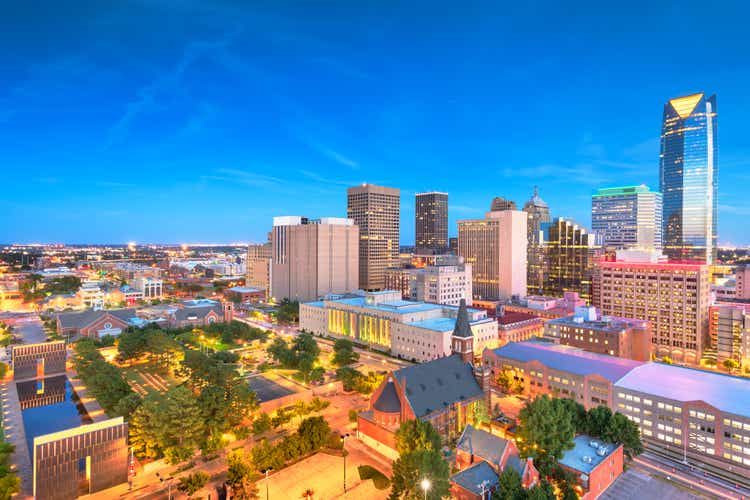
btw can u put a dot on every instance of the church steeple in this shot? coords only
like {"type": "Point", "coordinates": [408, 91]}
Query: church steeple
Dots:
{"type": "Point", "coordinates": [462, 340]}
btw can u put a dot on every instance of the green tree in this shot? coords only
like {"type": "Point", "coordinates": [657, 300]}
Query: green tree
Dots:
{"type": "Point", "coordinates": [622, 430]}
{"type": "Point", "coordinates": [266, 456]}
{"type": "Point", "coordinates": [262, 423]}
{"type": "Point", "coordinates": [509, 486]}
{"type": "Point", "coordinates": [343, 353]}
{"type": "Point", "coordinates": [127, 405]}
{"type": "Point", "coordinates": [417, 435]}
{"type": "Point", "coordinates": [288, 312]}
{"type": "Point", "coordinates": [597, 421]}
{"type": "Point", "coordinates": [180, 424]}
{"type": "Point", "coordinates": [353, 415]}
{"type": "Point", "coordinates": [479, 413]}
{"type": "Point", "coordinates": [238, 468]}
{"type": "Point", "coordinates": [730, 364]}
{"type": "Point", "coordinates": [245, 490]}
{"type": "Point", "coordinates": [413, 467]}
{"type": "Point", "coordinates": [577, 413]}
{"type": "Point", "coordinates": [279, 351]}
{"type": "Point", "coordinates": [131, 344]}
{"type": "Point", "coordinates": [545, 431]}
{"type": "Point", "coordinates": [542, 491]}
{"type": "Point", "coordinates": [314, 431]}
{"type": "Point", "coordinates": [143, 428]}
{"type": "Point", "coordinates": [193, 483]}
{"type": "Point", "coordinates": [504, 380]}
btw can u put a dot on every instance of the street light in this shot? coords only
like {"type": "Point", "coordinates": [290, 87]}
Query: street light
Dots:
{"type": "Point", "coordinates": [265, 472]}
{"type": "Point", "coordinates": [425, 484]}
{"type": "Point", "coordinates": [169, 485]}
{"type": "Point", "coordinates": [343, 447]}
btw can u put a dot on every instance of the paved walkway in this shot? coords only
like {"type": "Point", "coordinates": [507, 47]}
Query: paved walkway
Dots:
{"type": "Point", "coordinates": [16, 435]}
{"type": "Point", "coordinates": [94, 410]}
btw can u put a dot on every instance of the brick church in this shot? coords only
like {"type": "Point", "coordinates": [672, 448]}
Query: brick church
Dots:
{"type": "Point", "coordinates": [444, 392]}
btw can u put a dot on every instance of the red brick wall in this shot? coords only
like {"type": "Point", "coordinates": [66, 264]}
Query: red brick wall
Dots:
{"type": "Point", "coordinates": [376, 432]}
{"type": "Point", "coordinates": [90, 330]}
{"type": "Point", "coordinates": [605, 474]}
{"type": "Point", "coordinates": [459, 493]}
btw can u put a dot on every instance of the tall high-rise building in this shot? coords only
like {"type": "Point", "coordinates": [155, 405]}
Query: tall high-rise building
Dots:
{"type": "Point", "coordinates": [258, 266]}
{"type": "Point", "coordinates": [496, 249]}
{"type": "Point", "coordinates": [499, 204]}
{"type": "Point", "coordinates": [536, 262]}
{"type": "Point", "coordinates": [312, 258]}
{"type": "Point", "coordinates": [571, 254]}
{"type": "Point", "coordinates": [376, 210]}
{"type": "Point", "coordinates": [673, 297]}
{"type": "Point", "coordinates": [431, 222]}
{"type": "Point", "coordinates": [688, 178]}
{"type": "Point", "coordinates": [627, 217]}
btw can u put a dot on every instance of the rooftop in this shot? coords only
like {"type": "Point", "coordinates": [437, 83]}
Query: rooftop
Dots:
{"type": "Point", "coordinates": [587, 454]}
{"type": "Point", "coordinates": [727, 393]}
{"type": "Point", "coordinates": [471, 478]}
{"type": "Point", "coordinates": [569, 359]}
{"type": "Point", "coordinates": [435, 385]}
{"type": "Point", "coordinates": [243, 289]}
{"type": "Point", "coordinates": [482, 444]}
{"type": "Point", "coordinates": [608, 324]}
{"type": "Point", "coordinates": [511, 317]}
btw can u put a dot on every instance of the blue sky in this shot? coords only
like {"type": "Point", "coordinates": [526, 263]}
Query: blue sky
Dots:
{"type": "Point", "coordinates": [183, 122]}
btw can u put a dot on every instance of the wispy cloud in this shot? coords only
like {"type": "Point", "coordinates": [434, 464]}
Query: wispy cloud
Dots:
{"type": "Point", "coordinates": [167, 83]}
{"type": "Point", "coordinates": [233, 175]}
{"type": "Point", "coordinates": [734, 209]}
{"type": "Point", "coordinates": [327, 180]}
{"type": "Point", "coordinates": [338, 157]}
{"type": "Point", "coordinates": [585, 173]}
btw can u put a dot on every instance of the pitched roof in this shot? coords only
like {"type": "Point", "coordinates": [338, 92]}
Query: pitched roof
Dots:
{"type": "Point", "coordinates": [482, 444]}
{"type": "Point", "coordinates": [462, 328]}
{"type": "Point", "coordinates": [438, 383]}
{"type": "Point", "coordinates": [388, 400]}
{"type": "Point", "coordinates": [569, 359]}
{"type": "Point", "coordinates": [471, 478]}
{"type": "Point", "coordinates": [81, 319]}
{"type": "Point", "coordinates": [195, 312]}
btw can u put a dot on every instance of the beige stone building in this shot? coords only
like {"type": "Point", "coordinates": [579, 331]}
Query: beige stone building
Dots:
{"type": "Point", "coordinates": [376, 210]}
{"type": "Point", "coordinates": [495, 247]}
{"type": "Point", "coordinates": [313, 258]}
{"type": "Point", "coordinates": [673, 297]}
{"type": "Point", "coordinates": [259, 266]}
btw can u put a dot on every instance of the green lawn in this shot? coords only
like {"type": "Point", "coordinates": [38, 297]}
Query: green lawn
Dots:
{"type": "Point", "coordinates": [144, 379]}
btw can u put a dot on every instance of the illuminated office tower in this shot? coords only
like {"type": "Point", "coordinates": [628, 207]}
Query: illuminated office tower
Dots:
{"type": "Point", "coordinates": [536, 263]}
{"type": "Point", "coordinates": [627, 217]}
{"type": "Point", "coordinates": [496, 249]}
{"type": "Point", "coordinates": [313, 257]}
{"type": "Point", "coordinates": [571, 254]}
{"type": "Point", "coordinates": [688, 178]}
{"type": "Point", "coordinates": [431, 222]}
{"type": "Point", "coordinates": [376, 211]}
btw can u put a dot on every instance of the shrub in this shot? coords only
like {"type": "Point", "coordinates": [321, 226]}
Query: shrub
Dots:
{"type": "Point", "coordinates": [192, 483]}
{"type": "Point", "coordinates": [379, 479]}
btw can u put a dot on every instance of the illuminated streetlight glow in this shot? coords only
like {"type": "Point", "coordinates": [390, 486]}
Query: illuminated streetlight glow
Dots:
{"type": "Point", "coordinates": [425, 484]}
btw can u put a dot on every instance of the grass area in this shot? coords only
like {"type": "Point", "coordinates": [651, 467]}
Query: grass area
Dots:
{"type": "Point", "coordinates": [144, 379]}
{"type": "Point", "coordinates": [378, 478]}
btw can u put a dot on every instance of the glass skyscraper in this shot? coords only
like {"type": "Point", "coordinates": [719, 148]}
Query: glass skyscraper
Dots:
{"type": "Point", "coordinates": [431, 222]}
{"type": "Point", "coordinates": [627, 217]}
{"type": "Point", "coordinates": [688, 178]}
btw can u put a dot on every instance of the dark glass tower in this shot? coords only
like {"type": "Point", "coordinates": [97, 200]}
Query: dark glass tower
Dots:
{"type": "Point", "coordinates": [688, 178]}
{"type": "Point", "coordinates": [536, 265]}
{"type": "Point", "coordinates": [431, 224]}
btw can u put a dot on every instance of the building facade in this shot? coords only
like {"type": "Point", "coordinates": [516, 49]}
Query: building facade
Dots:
{"type": "Point", "coordinates": [431, 222]}
{"type": "Point", "coordinates": [729, 330]}
{"type": "Point", "coordinates": [673, 298]}
{"type": "Point", "coordinates": [444, 284]}
{"type": "Point", "coordinates": [536, 262]}
{"type": "Point", "coordinates": [587, 330]}
{"type": "Point", "coordinates": [384, 321]}
{"type": "Point", "coordinates": [259, 266]}
{"type": "Point", "coordinates": [627, 217]}
{"type": "Point", "coordinates": [570, 253]}
{"type": "Point", "coordinates": [496, 249]}
{"type": "Point", "coordinates": [501, 204]}
{"type": "Point", "coordinates": [151, 287]}
{"type": "Point", "coordinates": [376, 211]}
{"type": "Point", "coordinates": [312, 258]}
{"type": "Point", "coordinates": [688, 178]}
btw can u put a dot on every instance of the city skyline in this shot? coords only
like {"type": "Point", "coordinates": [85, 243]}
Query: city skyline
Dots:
{"type": "Point", "coordinates": [211, 115]}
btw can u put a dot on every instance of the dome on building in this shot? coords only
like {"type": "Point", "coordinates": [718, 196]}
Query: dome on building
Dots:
{"type": "Point", "coordinates": [535, 200]}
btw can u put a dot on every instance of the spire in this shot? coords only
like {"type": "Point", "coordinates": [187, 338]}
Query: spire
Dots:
{"type": "Point", "coordinates": [462, 328]}
{"type": "Point", "coordinates": [536, 191]}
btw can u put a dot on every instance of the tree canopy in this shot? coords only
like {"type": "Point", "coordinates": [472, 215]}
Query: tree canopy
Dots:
{"type": "Point", "coordinates": [545, 431]}
{"type": "Point", "coordinates": [418, 444]}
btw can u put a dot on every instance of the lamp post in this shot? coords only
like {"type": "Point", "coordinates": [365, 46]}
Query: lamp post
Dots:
{"type": "Point", "coordinates": [265, 472]}
{"type": "Point", "coordinates": [169, 485]}
{"type": "Point", "coordinates": [343, 446]}
{"type": "Point", "coordinates": [425, 484]}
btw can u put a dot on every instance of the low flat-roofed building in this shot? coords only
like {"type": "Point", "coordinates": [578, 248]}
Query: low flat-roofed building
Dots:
{"type": "Point", "coordinates": [586, 329]}
{"type": "Point", "coordinates": [547, 307]}
{"type": "Point", "coordinates": [383, 320]}
{"type": "Point", "coordinates": [561, 371]}
{"type": "Point", "coordinates": [518, 326]}
{"type": "Point", "coordinates": [245, 294]}
{"type": "Point", "coordinates": [594, 463]}
{"type": "Point", "coordinates": [701, 414]}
